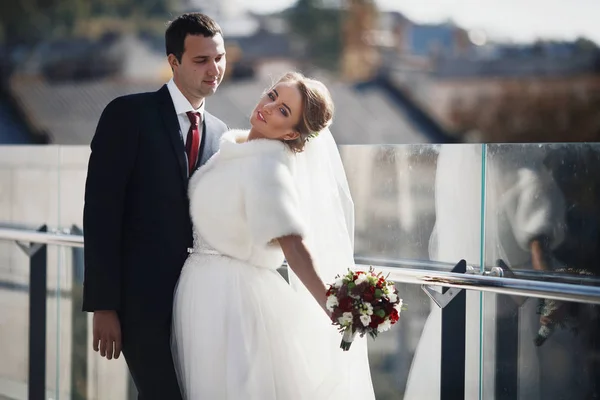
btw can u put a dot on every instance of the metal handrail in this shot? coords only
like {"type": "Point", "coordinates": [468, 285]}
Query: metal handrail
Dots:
{"type": "Point", "coordinates": [492, 284]}
{"type": "Point", "coordinates": [523, 273]}
{"type": "Point", "coordinates": [32, 236]}
{"type": "Point", "coordinates": [429, 272]}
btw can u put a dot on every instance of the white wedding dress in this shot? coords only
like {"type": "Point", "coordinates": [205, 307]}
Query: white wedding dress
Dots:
{"type": "Point", "coordinates": [240, 331]}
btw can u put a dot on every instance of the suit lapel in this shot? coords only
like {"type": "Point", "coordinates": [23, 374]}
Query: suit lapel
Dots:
{"type": "Point", "coordinates": [169, 117]}
{"type": "Point", "coordinates": [208, 147]}
{"type": "Point", "coordinates": [204, 147]}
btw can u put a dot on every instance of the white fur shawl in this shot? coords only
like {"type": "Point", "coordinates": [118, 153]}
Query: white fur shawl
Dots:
{"type": "Point", "coordinates": [245, 196]}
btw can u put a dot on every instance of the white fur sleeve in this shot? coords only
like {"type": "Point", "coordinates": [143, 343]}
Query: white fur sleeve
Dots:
{"type": "Point", "coordinates": [538, 208]}
{"type": "Point", "coordinates": [271, 202]}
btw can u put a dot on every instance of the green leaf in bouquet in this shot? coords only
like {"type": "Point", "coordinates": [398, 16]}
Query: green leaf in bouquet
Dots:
{"type": "Point", "coordinates": [378, 293]}
{"type": "Point", "coordinates": [351, 285]}
{"type": "Point", "coordinates": [380, 313]}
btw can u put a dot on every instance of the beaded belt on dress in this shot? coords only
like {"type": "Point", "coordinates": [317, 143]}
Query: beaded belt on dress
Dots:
{"type": "Point", "coordinates": [203, 251]}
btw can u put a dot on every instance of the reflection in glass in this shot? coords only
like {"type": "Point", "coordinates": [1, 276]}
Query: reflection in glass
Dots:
{"type": "Point", "coordinates": [392, 187]}
{"type": "Point", "coordinates": [456, 235]}
{"type": "Point", "coordinates": [537, 208]}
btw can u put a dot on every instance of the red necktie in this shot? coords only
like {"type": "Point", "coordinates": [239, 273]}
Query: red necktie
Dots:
{"type": "Point", "coordinates": [192, 144]}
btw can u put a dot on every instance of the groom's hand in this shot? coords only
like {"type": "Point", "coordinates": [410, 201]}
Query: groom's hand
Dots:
{"type": "Point", "coordinates": [107, 334]}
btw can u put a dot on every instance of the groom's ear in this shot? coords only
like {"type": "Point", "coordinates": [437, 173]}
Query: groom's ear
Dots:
{"type": "Point", "coordinates": [173, 62]}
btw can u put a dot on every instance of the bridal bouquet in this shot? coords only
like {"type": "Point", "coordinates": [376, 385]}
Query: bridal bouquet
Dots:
{"type": "Point", "coordinates": [362, 303]}
{"type": "Point", "coordinates": [556, 313]}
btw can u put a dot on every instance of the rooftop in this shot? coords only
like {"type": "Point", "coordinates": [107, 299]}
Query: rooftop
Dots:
{"type": "Point", "coordinates": [69, 111]}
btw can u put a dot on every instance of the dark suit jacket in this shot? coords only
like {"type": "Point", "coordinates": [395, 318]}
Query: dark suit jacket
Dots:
{"type": "Point", "coordinates": [136, 218]}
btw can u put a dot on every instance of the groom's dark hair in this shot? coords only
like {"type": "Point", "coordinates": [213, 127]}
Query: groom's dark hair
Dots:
{"type": "Point", "coordinates": [188, 24]}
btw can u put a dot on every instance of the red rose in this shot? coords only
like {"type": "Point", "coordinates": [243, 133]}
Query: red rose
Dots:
{"type": "Point", "coordinates": [368, 296]}
{"type": "Point", "coordinates": [337, 313]}
{"type": "Point", "coordinates": [346, 304]}
{"type": "Point", "coordinates": [375, 321]}
{"type": "Point", "coordinates": [394, 316]}
{"type": "Point", "coordinates": [357, 290]}
{"type": "Point", "coordinates": [389, 307]}
{"type": "Point", "coordinates": [342, 292]}
{"type": "Point", "coordinates": [357, 274]}
{"type": "Point", "coordinates": [371, 291]}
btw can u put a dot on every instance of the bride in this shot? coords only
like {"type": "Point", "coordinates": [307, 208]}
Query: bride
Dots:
{"type": "Point", "coordinates": [240, 331]}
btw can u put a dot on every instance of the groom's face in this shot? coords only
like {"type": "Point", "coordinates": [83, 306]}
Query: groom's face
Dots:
{"type": "Point", "coordinates": [202, 65]}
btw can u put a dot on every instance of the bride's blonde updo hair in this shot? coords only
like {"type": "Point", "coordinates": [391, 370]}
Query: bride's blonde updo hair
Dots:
{"type": "Point", "coordinates": [317, 108]}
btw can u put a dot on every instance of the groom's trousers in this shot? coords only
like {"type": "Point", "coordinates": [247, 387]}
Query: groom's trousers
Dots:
{"type": "Point", "coordinates": [147, 350]}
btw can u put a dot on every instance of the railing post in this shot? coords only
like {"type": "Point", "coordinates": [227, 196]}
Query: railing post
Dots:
{"type": "Point", "coordinates": [507, 347]}
{"type": "Point", "coordinates": [453, 344]}
{"type": "Point", "coordinates": [38, 257]}
{"type": "Point", "coordinates": [79, 362]}
{"type": "Point", "coordinates": [507, 341]}
{"type": "Point", "coordinates": [453, 303]}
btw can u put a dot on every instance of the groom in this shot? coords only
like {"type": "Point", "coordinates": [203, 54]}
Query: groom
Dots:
{"type": "Point", "coordinates": [136, 220]}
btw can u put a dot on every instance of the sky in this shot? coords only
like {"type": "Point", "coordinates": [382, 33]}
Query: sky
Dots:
{"type": "Point", "coordinates": [513, 20]}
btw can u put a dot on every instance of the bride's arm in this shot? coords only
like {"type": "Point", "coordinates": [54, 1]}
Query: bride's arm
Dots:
{"type": "Point", "coordinates": [300, 261]}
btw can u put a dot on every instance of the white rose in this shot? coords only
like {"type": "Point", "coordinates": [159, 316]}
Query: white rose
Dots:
{"type": "Point", "coordinates": [338, 283]}
{"type": "Point", "coordinates": [365, 319]}
{"type": "Point", "coordinates": [346, 319]}
{"type": "Point", "coordinates": [384, 326]}
{"type": "Point", "coordinates": [332, 301]}
{"type": "Point", "coordinates": [361, 278]}
{"type": "Point", "coordinates": [390, 287]}
{"type": "Point", "coordinates": [398, 306]}
{"type": "Point", "coordinates": [392, 297]}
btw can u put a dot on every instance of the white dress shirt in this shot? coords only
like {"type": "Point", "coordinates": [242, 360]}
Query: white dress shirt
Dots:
{"type": "Point", "coordinates": [182, 106]}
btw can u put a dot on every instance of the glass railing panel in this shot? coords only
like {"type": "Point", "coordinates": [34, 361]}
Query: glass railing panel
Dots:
{"type": "Point", "coordinates": [542, 223]}
{"type": "Point", "coordinates": [398, 192]}
{"type": "Point", "coordinates": [89, 376]}
{"type": "Point", "coordinates": [28, 197]}
{"type": "Point", "coordinates": [417, 204]}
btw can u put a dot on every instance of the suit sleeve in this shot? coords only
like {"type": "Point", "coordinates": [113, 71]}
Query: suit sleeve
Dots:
{"type": "Point", "coordinates": [272, 202]}
{"type": "Point", "coordinates": [112, 159]}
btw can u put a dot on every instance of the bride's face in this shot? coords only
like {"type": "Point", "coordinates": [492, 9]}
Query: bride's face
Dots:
{"type": "Point", "coordinates": [278, 112]}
